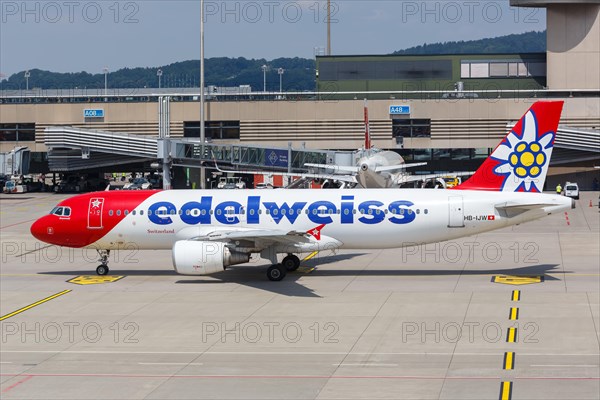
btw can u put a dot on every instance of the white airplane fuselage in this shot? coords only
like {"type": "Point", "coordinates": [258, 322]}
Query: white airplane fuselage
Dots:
{"type": "Point", "coordinates": [353, 219]}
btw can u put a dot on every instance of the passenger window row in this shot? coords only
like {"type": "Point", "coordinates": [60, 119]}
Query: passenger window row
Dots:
{"type": "Point", "coordinates": [363, 211]}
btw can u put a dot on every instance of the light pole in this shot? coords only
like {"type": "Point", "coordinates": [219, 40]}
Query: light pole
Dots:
{"type": "Point", "coordinates": [105, 70]}
{"type": "Point", "coordinates": [264, 69]}
{"type": "Point", "coordinates": [280, 71]}
{"type": "Point", "coordinates": [202, 116]}
{"type": "Point", "coordinates": [159, 74]}
{"type": "Point", "coordinates": [27, 75]}
{"type": "Point", "coordinates": [328, 27]}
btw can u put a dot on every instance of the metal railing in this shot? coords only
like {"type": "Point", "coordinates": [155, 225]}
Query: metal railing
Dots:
{"type": "Point", "coordinates": [47, 96]}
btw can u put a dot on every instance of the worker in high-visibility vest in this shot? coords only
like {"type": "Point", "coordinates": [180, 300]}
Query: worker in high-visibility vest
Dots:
{"type": "Point", "coordinates": [558, 189]}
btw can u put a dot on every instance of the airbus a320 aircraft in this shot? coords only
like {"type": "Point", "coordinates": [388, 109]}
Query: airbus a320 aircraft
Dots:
{"type": "Point", "coordinates": [211, 230]}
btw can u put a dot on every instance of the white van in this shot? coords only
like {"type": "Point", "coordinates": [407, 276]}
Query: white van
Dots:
{"type": "Point", "coordinates": [572, 190]}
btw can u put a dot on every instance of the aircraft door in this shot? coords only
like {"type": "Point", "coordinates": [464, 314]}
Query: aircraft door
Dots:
{"type": "Point", "coordinates": [95, 211]}
{"type": "Point", "coordinates": [233, 215]}
{"type": "Point", "coordinates": [456, 214]}
{"type": "Point", "coordinates": [230, 214]}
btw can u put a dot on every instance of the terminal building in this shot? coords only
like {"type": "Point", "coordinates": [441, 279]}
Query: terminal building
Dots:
{"type": "Point", "coordinates": [448, 110]}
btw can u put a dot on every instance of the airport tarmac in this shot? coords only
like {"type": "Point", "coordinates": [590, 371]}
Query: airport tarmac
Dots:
{"type": "Point", "coordinates": [508, 314]}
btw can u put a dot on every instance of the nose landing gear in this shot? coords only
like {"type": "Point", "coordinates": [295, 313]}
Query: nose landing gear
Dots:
{"type": "Point", "coordinates": [103, 267]}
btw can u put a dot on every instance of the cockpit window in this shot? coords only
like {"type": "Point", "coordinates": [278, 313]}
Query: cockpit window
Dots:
{"type": "Point", "coordinates": [61, 211]}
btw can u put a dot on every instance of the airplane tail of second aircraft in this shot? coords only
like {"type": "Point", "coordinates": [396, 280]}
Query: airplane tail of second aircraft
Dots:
{"type": "Point", "coordinates": [520, 162]}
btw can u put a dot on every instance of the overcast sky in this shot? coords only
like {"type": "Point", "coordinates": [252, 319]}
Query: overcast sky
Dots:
{"type": "Point", "coordinates": [72, 35]}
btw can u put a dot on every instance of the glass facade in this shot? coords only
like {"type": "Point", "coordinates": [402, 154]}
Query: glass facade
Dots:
{"type": "Point", "coordinates": [502, 69]}
{"type": "Point", "coordinates": [411, 128]}
{"type": "Point", "coordinates": [214, 130]}
{"type": "Point", "coordinates": [459, 155]}
{"type": "Point", "coordinates": [385, 70]}
{"type": "Point", "coordinates": [17, 132]}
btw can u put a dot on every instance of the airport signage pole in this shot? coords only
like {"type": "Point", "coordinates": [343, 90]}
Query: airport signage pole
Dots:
{"type": "Point", "coordinates": [202, 116]}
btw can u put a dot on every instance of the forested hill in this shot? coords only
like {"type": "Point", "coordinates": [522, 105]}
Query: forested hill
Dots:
{"type": "Point", "coordinates": [529, 42]}
{"type": "Point", "coordinates": [299, 74]}
{"type": "Point", "coordinates": [224, 71]}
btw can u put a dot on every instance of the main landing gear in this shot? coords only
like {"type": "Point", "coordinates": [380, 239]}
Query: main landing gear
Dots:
{"type": "Point", "coordinates": [103, 268]}
{"type": "Point", "coordinates": [291, 262]}
{"type": "Point", "coordinates": [278, 271]}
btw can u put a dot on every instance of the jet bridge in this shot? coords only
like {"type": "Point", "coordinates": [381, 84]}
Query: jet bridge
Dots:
{"type": "Point", "coordinates": [581, 139]}
{"type": "Point", "coordinates": [73, 149]}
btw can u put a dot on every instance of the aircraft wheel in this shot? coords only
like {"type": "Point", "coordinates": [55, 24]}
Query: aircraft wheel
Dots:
{"type": "Point", "coordinates": [102, 270]}
{"type": "Point", "coordinates": [276, 273]}
{"type": "Point", "coordinates": [291, 263]}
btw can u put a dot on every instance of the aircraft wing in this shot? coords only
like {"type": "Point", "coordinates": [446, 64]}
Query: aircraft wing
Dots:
{"type": "Point", "coordinates": [261, 239]}
{"type": "Point", "coordinates": [414, 178]}
{"type": "Point", "coordinates": [510, 210]}
{"type": "Point", "coordinates": [398, 167]}
{"type": "Point", "coordinates": [263, 235]}
{"type": "Point", "coordinates": [332, 167]}
{"type": "Point", "coordinates": [355, 170]}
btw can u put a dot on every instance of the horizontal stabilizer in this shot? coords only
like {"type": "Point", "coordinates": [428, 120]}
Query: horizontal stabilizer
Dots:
{"type": "Point", "coordinates": [509, 210]}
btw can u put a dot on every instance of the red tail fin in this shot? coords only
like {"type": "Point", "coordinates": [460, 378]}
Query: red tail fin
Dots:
{"type": "Point", "coordinates": [520, 162]}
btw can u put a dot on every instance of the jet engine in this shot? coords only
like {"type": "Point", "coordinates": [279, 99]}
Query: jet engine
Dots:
{"type": "Point", "coordinates": [204, 258]}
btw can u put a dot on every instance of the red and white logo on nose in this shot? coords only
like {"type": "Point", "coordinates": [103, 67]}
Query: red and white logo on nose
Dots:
{"type": "Point", "coordinates": [316, 232]}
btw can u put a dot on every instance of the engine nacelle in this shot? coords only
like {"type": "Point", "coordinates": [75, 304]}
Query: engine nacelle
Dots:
{"type": "Point", "coordinates": [204, 258]}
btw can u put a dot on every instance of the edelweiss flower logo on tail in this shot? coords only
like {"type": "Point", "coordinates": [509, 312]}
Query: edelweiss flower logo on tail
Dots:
{"type": "Point", "coordinates": [524, 157]}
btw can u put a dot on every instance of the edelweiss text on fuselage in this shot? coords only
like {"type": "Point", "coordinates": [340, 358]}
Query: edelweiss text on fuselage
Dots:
{"type": "Point", "coordinates": [368, 212]}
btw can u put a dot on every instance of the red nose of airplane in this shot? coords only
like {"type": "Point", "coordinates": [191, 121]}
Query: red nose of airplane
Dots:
{"type": "Point", "coordinates": [41, 230]}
